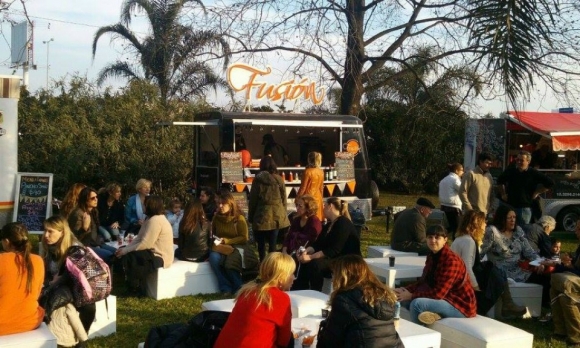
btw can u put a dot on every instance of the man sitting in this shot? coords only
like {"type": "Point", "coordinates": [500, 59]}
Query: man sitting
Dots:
{"type": "Point", "coordinates": [409, 229]}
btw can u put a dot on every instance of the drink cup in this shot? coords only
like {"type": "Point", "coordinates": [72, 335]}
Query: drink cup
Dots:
{"type": "Point", "coordinates": [391, 261]}
{"type": "Point", "coordinates": [120, 240]}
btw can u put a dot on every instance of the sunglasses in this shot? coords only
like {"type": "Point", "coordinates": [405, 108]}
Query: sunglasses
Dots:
{"type": "Point", "coordinates": [93, 198]}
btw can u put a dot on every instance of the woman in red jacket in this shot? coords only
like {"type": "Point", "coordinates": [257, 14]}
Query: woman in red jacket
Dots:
{"type": "Point", "coordinates": [262, 315]}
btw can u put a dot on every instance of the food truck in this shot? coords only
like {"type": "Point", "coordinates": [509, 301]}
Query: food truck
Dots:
{"type": "Point", "coordinates": [553, 139]}
{"type": "Point", "coordinates": [340, 139]}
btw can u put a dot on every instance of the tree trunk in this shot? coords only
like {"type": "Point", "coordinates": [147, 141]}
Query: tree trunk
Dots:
{"type": "Point", "coordinates": [352, 87]}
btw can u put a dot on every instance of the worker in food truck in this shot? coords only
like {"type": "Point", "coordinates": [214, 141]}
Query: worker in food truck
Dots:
{"type": "Point", "coordinates": [275, 150]}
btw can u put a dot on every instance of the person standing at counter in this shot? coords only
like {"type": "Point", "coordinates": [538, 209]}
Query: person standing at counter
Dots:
{"type": "Point", "coordinates": [313, 181]}
{"type": "Point", "coordinates": [241, 148]}
{"type": "Point", "coordinates": [274, 150]}
{"type": "Point", "coordinates": [267, 206]}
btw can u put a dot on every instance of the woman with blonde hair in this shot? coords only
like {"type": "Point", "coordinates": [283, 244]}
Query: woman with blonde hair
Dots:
{"type": "Point", "coordinates": [363, 310]}
{"type": "Point", "coordinates": [21, 277]}
{"type": "Point", "coordinates": [262, 314]}
{"type": "Point", "coordinates": [313, 181]}
{"type": "Point", "coordinates": [488, 281]}
{"type": "Point", "coordinates": [135, 208]}
{"type": "Point", "coordinates": [69, 201]}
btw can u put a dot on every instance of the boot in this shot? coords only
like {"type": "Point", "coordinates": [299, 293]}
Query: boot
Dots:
{"type": "Point", "coordinates": [509, 308]}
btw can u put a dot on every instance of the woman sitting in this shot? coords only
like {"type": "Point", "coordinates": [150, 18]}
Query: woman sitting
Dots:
{"type": "Point", "coordinates": [135, 207]}
{"type": "Point", "coordinates": [362, 308]}
{"type": "Point", "coordinates": [444, 289]}
{"type": "Point", "coordinates": [262, 314]}
{"type": "Point", "coordinates": [538, 235]}
{"type": "Point", "coordinates": [304, 227]}
{"type": "Point", "coordinates": [338, 238]}
{"type": "Point", "coordinates": [152, 248]}
{"type": "Point", "coordinates": [194, 232]}
{"type": "Point", "coordinates": [230, 227]}
{"type": "Point", "coordinates": [84, 222]}
{"type": "Point", "coordinates": [69, 324]}
{"type": "Point", "coordinates": [69, 202]}
{"type": "Point", "coordinates": [208, 200]}
{"type": "Point", "coordinates": [111, 212]}
{"type": "Point", "coordinates": [488, 281]}
{"type": "Point", "coordinates": [21, 277]}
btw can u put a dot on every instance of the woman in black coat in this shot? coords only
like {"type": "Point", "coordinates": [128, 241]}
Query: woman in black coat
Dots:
{"type": "Point", "coordinates": [362, 312]}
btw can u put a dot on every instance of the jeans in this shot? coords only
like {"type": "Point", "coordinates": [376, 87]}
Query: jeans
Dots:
{"type": "Point", "coordinates": [523, 216]}
{"type": "Point", "coordinates": [423, 304]}
{"type": "Point", "coordinates": [228, 280]}
{"type": "Point", "coordinates": [105, 252]}
{"type": "Point", "coordinates": [260, 237]}
{"type": "Point", "coordinates": [108, 232]}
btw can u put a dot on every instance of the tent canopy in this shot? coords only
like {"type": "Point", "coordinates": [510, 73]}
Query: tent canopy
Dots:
{"type": "Point", "coordinates": [563, 128]}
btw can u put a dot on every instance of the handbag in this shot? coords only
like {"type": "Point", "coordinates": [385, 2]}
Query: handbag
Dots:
{"type": "Point", "coordinates": [223, 249]}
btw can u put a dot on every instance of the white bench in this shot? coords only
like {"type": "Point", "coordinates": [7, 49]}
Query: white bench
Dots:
{"type": "Point", "coordinates": [183, 278]}
{"type": "Point", "coordinates": [105, 322]}
{"type": "Point", "coordinates": [39, 338]}
{"type": "Point", "coordinates": [523, 294]}
{"type": "Point", "coordinates": [303, 302]}
{"type": "Point", "coordinates": [375, 251]}
{"type": "Point", "coordinates": [478, 332]}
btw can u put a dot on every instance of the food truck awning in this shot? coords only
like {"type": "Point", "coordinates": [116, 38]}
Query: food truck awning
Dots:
{"type": "Point", "coordinates": [563, 128]}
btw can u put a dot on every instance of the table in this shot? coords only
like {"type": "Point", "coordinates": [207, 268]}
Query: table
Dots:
{"type": "Point", "coordinates": [405, 267]}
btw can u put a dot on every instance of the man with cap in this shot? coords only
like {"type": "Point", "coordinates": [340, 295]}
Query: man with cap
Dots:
{"type": "Point", "coordinates": [409, 229]}
{"type": "Point", "coordinates": [274, 150]}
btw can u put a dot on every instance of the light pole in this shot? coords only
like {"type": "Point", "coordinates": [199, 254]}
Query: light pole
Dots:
{"type": "Point", "coordinates": [47, 62]}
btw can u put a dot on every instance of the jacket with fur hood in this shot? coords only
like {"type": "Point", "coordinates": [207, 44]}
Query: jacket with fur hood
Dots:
{"type": "Point", "coordinates": [267, 207]}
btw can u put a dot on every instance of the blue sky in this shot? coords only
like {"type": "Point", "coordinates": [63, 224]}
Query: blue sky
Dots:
{"type": "Point", "coordinates": [72, 25]}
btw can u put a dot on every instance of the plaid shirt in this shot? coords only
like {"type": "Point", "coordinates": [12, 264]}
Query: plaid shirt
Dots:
{"type": "Point", "coordinates": [451, 283]}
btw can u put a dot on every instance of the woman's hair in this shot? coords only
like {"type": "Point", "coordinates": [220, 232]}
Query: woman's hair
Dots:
{"type": "Point", "coordinates": [500, 217]}
{"type": "Point", "coordinates": [274, 272]}
{"type": "Point", "coordinates": [310, 204]}
{"type": "Point", "coordinates": [436, 230]}
{"type": "Point", "coordinates": [70, 199]}
{"type": "Point", "coordinates": [58, 223]}
{"type": "Point", "coordinates": [113, 188]}
{"type": "Point", "coordinates": [142, 183]}
{"type": "Point", "coordinates": [267, 164]}
{"type": "Point", "coordinates": [17, 234]}
{"type": "Point", "coordinates": [84, 197]}
{"type": "Point", "coordinates": [192, 216]}
{"type": "Point", "coordinates": [453, 167]}
{"type": "Point", "coordinates": [228, 198]}
{"type": "Point", "coordinates": [352, 272]}
{"type": "Point", "coordinates": [340, 205]}
{"type": "Point", "coordinates": [473, 224]}
{"type": "Point", "coordinates": [154, 206]}
{"type": "Point", "coordinates": [314, 159]}
{"type": "Point", "coordinates": [547, 220]}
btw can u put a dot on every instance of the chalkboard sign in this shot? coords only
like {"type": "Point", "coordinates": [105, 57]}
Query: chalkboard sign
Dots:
{"type": "Point", "coordinates": [232, 170]}
{"type": "Point", "coordinates": [344, 165]}
{"type": "Point", "coordinates": [241, 199]}
{"type": "Point", "coordinates": [32, 200]}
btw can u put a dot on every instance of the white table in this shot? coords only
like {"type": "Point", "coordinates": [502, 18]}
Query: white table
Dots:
{"type": "Point", "coordinates": [405, 267]}
{"type": "Point", "coordinates": [411, 334]}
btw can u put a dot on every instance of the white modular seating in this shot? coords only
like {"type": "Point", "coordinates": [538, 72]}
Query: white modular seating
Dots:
{"type": "Point", "coordinates": [183, 278]}
{"type": "Point", "coordinates": [386, 251]}
{"type": "Point", "coordinates": [418, 336]}
{"type": "Point", "coordinates": [523, 294]}
{"type": "Point", "coordinates": [105, 322]}
{"type": "Point", "coordinates": [39, 338]}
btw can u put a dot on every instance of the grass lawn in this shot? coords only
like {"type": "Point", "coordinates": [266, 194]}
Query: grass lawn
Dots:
{"type": "Point", "coordinates": [136, 316]}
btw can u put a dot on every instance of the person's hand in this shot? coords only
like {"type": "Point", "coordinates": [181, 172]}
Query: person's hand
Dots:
{"type": "Point", "coordinates": [86, 220]}
{"type": "Point", "coordinates": [120, 252]}
{"type": "Point", "coordinates": [310, 250]}
{"type": "Point", "coordinates": [540, 269]}
{"type": "Point", "coordinates": [304, 258]}
{"type": "Point", "coordinates": [566, 260]}
{"type": "Point", "coordinates": [403, 294]}
{"type": "Point", "coordinates": [115, 225]}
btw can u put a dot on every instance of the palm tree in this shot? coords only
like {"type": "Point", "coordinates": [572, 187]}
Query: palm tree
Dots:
{"type": "Point", "coordinates": [170, 55]}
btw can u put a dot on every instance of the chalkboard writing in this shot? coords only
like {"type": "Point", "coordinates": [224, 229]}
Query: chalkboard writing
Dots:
{"type": "Point", "coordinates": [242, 199]}
{"type": "Point", "coordinates": [232, 167]}
{"type": "Point", "coordinates": [344, 165]}
{"type": "Point", "coordinates": [32, 200]}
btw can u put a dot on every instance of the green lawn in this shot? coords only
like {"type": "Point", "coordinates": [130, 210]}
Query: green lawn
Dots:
{"type": "Point", "coordinates": [136, 316]}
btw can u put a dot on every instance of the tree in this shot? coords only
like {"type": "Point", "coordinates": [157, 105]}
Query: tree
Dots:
{"type": "Point", "coordinates": [171, 55]}
{"type": "Point", "coordinates": [510, 44]}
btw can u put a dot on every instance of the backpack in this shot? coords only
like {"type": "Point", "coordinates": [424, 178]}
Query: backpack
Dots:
{"type": "Point", "coordinates": [90, 275]}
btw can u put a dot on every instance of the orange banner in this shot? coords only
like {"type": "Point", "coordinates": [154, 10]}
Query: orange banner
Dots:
{"type": "Point", "coordinates": [240, 187]}
{"type": "Point", "coordinates": [351, 185]}
{"type": "Point", "coordinates": [330, 188]}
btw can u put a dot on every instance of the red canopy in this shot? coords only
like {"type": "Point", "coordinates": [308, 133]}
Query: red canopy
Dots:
{"type": "Point", "coordinates": [563, 128]}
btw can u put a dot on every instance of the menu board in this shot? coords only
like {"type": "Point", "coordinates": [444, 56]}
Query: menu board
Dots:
{"type": "Point", "coordinates": [242, 199]}
{"type": "Point", "coordinates": [232, 170]}
{"type": "Point", "coordinates": [32, 200]}
{"type": "Point", "coordinates": [344, 165]}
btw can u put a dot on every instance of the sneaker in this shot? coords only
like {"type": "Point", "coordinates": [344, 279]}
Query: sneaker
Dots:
{"type": "Point", "coordinates": [545, 318]}
{"type": "Point", "coordinates": [428, 318]}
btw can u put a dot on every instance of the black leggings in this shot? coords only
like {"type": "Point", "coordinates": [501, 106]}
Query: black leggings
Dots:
{"type": "Point", "coordinates": [260, 237]}
{"type": "Point", "coordinates": [87, 315]}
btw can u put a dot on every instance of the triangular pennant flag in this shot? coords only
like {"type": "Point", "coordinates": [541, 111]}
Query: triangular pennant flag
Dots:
{"type": "Point", "coordinates": [341, 186]}
{"type": "Point", "coordinates": [351, 186]}
{"type": "Point", "coordinates": [240, 187]}
{"type": "Point", "coordinates": [330, 188]}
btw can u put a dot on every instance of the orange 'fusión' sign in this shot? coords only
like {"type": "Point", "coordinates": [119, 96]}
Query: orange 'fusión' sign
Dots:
{"type": "Point", "coordinates": [243, 77]}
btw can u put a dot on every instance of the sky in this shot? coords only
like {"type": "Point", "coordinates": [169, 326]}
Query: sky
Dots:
{"type": "Point", "coordinates": [72, 25]}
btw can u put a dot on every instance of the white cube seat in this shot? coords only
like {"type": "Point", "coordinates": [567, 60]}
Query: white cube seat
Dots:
{"type": "Point", "coordinates": [105, 322]}
{"type": "Point", "coordinates": [183, 278]}
{"type": "Point", "coordinates": [418, 336]}
{"type": "Point", "coordinates": [39, 338]}
{"type": "Point", "coordinates": [386, 251]}
{"type": "Point", "coordinates": [303, 303]}
{"type": "Point", "coordinates": [523, 294]}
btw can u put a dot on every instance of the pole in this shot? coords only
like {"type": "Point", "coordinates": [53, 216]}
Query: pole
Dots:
{"type": "Point", "coordinates": [47, 59]}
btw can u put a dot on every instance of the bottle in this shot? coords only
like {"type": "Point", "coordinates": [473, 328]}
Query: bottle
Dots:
{"type": "Point", "coordinates": [296, 178]}
{"type": "Point", "coordinates": [335, 172]}
{"type": "Point", "coordinates": [330, 173]}
{"type": "Point", "coordinates": [290, 177]}
{"type": "Point", "coordinates": [283, 176]}
{"type": "Point", "coordinates": [397, 315]}
{"type": "Point", "coordinates": [326, 175]}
